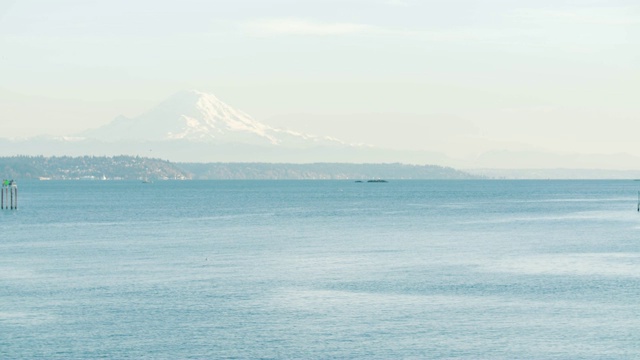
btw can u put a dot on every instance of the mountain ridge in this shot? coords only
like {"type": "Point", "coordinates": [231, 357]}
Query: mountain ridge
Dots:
{"type": "Point", "coordinates": [193, 126]}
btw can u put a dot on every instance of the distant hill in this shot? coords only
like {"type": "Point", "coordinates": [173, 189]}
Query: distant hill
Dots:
{"type": "Point", "coordinates": [321, 171]}
{"type": "Point", "coordinates": [136, 168]}
{"type": "Point", "coordinates": [88, 168]}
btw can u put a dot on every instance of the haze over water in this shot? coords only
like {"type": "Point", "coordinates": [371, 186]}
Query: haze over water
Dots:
{"type": "Point", "coordinates": [321, 269]}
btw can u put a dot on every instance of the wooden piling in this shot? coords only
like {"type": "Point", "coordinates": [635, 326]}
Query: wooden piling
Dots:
{"type": "Point", "coordinates": [9, 195]}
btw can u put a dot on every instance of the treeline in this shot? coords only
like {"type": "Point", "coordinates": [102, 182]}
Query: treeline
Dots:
{"type": "Point", "coordinates": [136, 168]}
{"type": "Point", "coordinates": [89, 167]}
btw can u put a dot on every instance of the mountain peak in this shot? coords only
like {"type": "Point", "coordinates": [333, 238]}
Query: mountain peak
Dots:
{"type": "Point", "coordinates": [198, 116]}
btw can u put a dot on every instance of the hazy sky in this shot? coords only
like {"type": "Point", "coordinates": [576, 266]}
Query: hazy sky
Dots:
{"type": "Point", "coordinates": [562, 75]}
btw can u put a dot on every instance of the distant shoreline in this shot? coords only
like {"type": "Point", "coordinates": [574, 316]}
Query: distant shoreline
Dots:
{"type": "Point", "coordinates": [127, 167]}
{"type": "Point", "coordinates": [141, 168]}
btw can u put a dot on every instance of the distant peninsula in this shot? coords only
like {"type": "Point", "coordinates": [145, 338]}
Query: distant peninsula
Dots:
{"type": "Point", "coordinates": [142, 168]}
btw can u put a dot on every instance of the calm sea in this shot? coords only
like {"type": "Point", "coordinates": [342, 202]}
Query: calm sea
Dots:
{"type": "Point", "coordinates": [321, 269]}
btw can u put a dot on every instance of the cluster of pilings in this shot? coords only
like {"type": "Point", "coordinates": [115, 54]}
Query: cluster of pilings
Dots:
{"type": "Point", "coordinates": [9, 195]}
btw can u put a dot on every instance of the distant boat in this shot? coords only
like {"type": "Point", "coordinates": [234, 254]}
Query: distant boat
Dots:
{"type": "Point", "coordinates": [146, 181]}
{"type": "Point", "coordinates": [377, 181]}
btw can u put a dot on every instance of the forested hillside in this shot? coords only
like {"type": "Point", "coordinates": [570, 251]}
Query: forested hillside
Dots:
{"type": "Point", "coordinates": [137, 168]}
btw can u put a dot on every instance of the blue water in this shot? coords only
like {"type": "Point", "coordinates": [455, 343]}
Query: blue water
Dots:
{"type": "Point", "coordinates": [321, 269]}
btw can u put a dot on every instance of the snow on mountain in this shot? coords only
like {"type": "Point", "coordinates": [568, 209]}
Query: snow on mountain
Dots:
{"type": "Point", "coordinates": [197, 116]}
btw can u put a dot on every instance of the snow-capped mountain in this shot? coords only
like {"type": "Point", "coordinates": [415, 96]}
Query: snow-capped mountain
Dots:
{"type": "Point", "coordinates": [200, 117]}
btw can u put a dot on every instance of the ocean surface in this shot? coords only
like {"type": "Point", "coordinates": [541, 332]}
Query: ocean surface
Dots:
{"type": "Point", "coordinates": [321, 270]}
